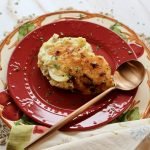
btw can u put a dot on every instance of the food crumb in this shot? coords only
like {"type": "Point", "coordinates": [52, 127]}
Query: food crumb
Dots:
{"type": "Point", "coordinates": [97, 47]}
{"type": "Point", "coordinates": [61, 33]}
{"type": "Point", "coordinates": [130, 52]}
{"type": "Point", "coordinates": [41, 39]}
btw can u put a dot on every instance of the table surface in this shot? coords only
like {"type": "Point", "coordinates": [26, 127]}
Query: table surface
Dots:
{"type": "Point", "coordinates": [135, 13]}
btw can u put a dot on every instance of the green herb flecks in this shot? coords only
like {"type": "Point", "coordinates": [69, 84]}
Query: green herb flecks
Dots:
{"type": "Point", "coordinates": [69, 76]}
{"type": "Point", "coordinates": [116, 29]}
{"type": "Point", "coordinates": [56, 66]}
{"type": "Point", "coordinates": [53, 58]}
{"type": "Point", "coordinates": [25, 120]}
{"type": "Point", "coordinates": [81, 16]}
{"type": "Point", "coordinates": [77, 68]}
{"type": "Point", "coordinates": [25, 29]}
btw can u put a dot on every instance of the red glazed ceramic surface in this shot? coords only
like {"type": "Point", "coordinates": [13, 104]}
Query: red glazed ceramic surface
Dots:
{"type": "Point", "coordinates": [47, 105]}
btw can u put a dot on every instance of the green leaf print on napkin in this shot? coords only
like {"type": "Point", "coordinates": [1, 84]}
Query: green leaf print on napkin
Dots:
{"type": "Point", "coordinates": [116, 29]}
{"type": "Point", "coordinates": [25, 29]}
{"type": "Point", "coordinates": [25, 120]}
{"type": "Point", "coordinates": [19, 137]}
{"type": "Point", "coordinates": [130, 115]}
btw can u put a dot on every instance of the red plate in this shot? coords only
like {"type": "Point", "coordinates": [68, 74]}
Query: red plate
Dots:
{"type": "Point", "coordinates": [45, 104]}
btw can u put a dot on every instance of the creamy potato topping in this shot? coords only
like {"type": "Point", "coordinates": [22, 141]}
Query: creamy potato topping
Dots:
{"type": "Point", "coordinates": [70, 63]}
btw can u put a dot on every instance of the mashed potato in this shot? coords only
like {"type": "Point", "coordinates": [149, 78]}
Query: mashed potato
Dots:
{"type": "Point", "coordinates": [69, 63]}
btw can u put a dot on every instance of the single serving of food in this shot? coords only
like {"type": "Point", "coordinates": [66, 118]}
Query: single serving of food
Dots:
{"type": "Point", "coordinates": [70, 63]}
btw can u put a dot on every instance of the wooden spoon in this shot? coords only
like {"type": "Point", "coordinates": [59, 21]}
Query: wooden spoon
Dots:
{"type": "Point", "coordinates": [128, 76]}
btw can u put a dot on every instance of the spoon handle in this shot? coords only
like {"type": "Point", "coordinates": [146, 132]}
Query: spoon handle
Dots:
{"type": "Point", "coordinates": [70, 117]}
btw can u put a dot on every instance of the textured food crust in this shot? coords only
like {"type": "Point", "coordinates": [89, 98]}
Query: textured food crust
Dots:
{"type": "Point", "coordinates": [69, 63]}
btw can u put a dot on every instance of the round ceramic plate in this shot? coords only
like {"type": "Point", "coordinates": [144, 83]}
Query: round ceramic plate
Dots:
{"type": "Point", "coordinates": [46, 104]}
{"type": "Point", "coordinates": [140, 106]}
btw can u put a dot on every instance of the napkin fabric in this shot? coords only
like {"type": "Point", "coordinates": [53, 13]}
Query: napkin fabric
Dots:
{"type": "Point", "coordinates": [129, 135]}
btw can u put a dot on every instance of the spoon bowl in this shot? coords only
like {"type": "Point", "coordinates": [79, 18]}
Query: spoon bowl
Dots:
{"type": "Point", "coordinates": [129, 75]}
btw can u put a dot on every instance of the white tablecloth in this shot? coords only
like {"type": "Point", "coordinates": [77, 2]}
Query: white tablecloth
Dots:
{"type": "Point", "coordinates": [134, 13]}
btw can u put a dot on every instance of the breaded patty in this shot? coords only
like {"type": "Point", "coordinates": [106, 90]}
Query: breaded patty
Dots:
{"type": "Point", "coordinates": [69, 63]}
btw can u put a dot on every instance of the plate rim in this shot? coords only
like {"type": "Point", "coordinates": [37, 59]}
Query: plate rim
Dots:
{"type": "Point", "coordinates": [47, 25]}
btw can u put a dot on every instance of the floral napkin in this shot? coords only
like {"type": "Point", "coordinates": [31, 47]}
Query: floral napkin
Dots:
{"type": "Point", "coordinates": [118, 136]}
{"type": "Point", "coordinates": [25, 131]}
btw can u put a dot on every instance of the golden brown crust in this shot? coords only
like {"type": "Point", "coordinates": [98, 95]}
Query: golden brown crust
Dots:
{"type": "Point", "coordinates": [86, 72]}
